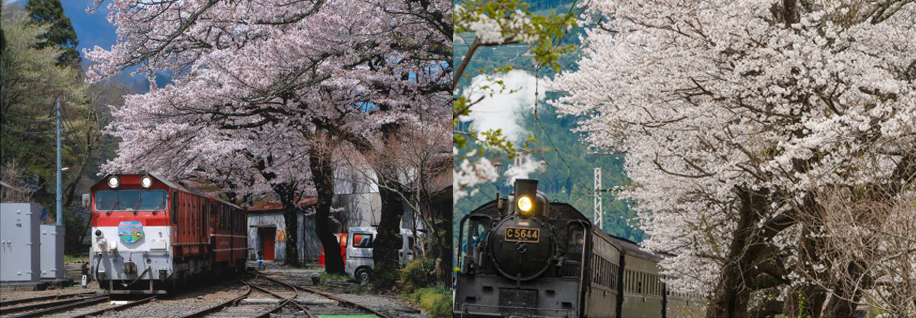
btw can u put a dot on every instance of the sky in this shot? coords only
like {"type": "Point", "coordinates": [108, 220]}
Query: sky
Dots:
{"type": "Point", "coordinates": [507, 105]}
{"type": "Point", "coordinates": [94, 30]}
{"type": "Point", "coordinates": [91, 29]}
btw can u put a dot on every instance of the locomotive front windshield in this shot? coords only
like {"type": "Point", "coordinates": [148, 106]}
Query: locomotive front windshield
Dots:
{"type": "Point", "coordinates": [130, 200]}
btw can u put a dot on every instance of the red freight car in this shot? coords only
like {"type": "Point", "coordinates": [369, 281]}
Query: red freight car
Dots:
{"type": "Point", "coordinates": [150, 235]}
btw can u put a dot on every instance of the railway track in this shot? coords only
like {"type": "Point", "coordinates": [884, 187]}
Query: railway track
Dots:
{"type": "Point", "coordinates": [113, 309]}
{"type": "Point", "coordinates": [7, 303]}
{"type": "Point", "coordinates": [48, 308]}
{"type": "Point", "coordinates": [332, 297]}
{"type": "Point", "coordinates": [260, 296]}
{"type": "Point", "coordinates": [231, 307]}
{"type": "Point", "coordinates": [36, 308]}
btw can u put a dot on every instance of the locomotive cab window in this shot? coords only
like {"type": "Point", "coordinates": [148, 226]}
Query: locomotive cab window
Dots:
{"type": "Point", "coordinates": [130, 200]}
{"type": "Point", "coordinates": [478, 228]}
{"type": "Point", "coordinates": [576, 242]}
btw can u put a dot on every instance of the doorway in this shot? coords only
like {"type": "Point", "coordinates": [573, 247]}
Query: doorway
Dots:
{"type": "Point", "coordinates": [268, 237]}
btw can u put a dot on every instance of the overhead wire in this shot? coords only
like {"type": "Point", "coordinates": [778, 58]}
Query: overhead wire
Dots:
{"type": "Point", "coordinates": [537, 121]}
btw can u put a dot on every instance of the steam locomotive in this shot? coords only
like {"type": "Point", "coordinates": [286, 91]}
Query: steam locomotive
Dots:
{"type": "Point", "coordinates": [151, 235]}
{"type": "Point", "coordinates": [528, 257]}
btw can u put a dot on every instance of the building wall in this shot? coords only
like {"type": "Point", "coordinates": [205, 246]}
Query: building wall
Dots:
{"type": "Point", "coordinates": [356, 198]}
{"type": "Point", "coordinates": [357, 209]}
{"type": "Point", "coordinates": [309, 246]}
{"type": "Point", "coordinates": [356, 203]}
{"type": "Point", "coordinates": [257, 220]}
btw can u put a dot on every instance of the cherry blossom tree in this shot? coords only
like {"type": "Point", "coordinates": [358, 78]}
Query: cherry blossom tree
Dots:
{"type": "Point", "coordinates": [871, 248]}
{"type": "Point", "coordinates": [260, 87]}
{"type": "Point", "coordinates": [411, 170]}
{"type": "Point", "coordinates": [735, 117]}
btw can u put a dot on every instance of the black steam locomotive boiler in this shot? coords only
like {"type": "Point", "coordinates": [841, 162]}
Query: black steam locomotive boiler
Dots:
{"type": "Point", "coordinates": [524, 256]}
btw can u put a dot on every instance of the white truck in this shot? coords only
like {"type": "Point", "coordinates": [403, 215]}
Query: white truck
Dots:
{"type": "Point", "coordinates": [359, 251]}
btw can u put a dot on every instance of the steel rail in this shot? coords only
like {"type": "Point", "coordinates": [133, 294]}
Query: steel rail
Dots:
{"type": "Point", "coordinates": [338, 299]}
{"type": "Point", "coordinates": [341, 300]}
{"type": "Point", "coordinates": [292, 300]}
{"type": "Point", "coordinates": [8, 303]}
{"type": "Point", "coordinates": [65, 307]}
{"type": "Point", "coordinates": [30, 307]}
{"type": "Point", "coordinates": [222, 305]}
{"type": "Point", "coordinates": [115, 308]}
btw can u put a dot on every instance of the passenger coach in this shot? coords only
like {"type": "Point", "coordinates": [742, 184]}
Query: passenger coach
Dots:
{"type": "Point", "coordinates": [151, 235]}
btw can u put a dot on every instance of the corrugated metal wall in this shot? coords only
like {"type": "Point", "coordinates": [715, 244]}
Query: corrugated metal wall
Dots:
{"type": "Point", "coordinates": [309, 246]}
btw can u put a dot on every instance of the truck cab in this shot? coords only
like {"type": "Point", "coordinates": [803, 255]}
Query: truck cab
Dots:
{"type": "Point", "coordinates": [359, 262]}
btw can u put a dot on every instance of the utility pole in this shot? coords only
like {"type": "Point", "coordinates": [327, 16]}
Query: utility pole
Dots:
{"type": "Point", "coordinates": [599, 215]}
{"type": "Point", "coordinates": [60, 204]}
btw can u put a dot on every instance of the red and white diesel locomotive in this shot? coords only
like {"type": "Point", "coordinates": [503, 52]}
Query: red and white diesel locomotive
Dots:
{"type": "Point", "coordinates": [151, 235]}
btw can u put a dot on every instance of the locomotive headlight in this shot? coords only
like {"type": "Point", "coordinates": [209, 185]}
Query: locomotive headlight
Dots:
{"type": "Point", "coordinates": [102, 245]}
{"type": "Point", "coordinates": [146, 181]}
{"type": "Point", "coordinates": [114, 182]}
{"type": "Point", "coordinates": [525, 204]}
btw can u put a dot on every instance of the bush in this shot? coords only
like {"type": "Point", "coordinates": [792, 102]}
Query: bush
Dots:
{"type": "Point", "coordinates": [419, 273]}
{"type": "Point", "coordinates": [435, 301]}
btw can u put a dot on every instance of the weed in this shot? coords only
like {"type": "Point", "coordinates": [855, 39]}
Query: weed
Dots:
{"type": "Point", "coordinates": [435, 301]}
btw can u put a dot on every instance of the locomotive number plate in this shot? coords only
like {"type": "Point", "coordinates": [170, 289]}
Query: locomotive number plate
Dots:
{"type": "Point", "coordinates": [517, 234]}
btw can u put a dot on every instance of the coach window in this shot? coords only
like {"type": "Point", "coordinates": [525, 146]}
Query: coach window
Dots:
{"type": "Point", "coordinates": [613, 275]}
{"type": "Point", "coordinates": [651, 289]}
{"type": "Point", "coordinates": [593, 266]}
{"type": "Point", "coordinates": [205, 210]}
{"type": "Point", "coordinates": [174, 211]}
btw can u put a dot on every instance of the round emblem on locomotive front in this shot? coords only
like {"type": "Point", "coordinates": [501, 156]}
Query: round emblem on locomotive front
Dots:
{"type": "Point", "coordinates": [130, 231]}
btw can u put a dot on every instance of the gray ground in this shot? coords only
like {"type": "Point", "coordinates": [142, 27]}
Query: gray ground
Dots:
{"type": "Point", "coordinates": [197, 298]}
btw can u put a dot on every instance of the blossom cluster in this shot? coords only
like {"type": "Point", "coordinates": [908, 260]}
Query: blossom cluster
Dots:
{"type": "Point", "coordinates": [713, 96]}
{"type": "Point", "coordinates": [256, 84]}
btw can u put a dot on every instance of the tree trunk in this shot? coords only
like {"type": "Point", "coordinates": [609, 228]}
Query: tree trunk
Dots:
{"type": "Point", "coordinates": [732, 293]}
{"type": "Point", "coordinates": [388, 243]}
{"type": "Point", "coordinates": [807, 299]}
{"type": "Point", "coordinates": [844, 305]}
{"type": "Point", "coordinates": [323, 174]}
{"type": "Point", "coordinates": [441, 209]}
{"type": "Point", "coordinates": [291, 218]}
{"type": "Point", "coordinates": [288, 198]}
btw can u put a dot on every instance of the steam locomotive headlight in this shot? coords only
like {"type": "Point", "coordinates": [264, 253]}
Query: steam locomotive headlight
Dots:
{"type": "Point", "coordinates": [525, 204]}
{"type": "Point", "coordinates": [146, 181]}
{"type": "Point", "coordinates": [114, 182]}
